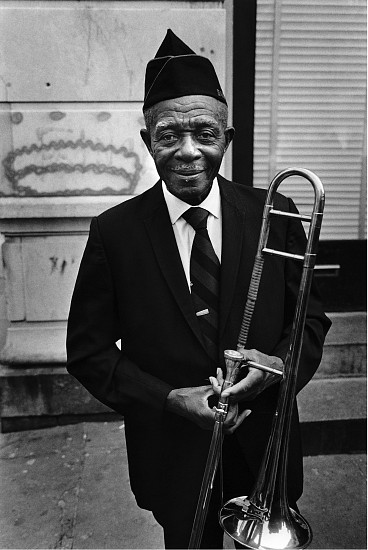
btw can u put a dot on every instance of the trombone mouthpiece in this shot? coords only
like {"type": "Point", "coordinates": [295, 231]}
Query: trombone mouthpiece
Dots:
{"type": "Point", "coordinates": [233, 360]}
{"type": "Point", "coordinates": [233, 355]}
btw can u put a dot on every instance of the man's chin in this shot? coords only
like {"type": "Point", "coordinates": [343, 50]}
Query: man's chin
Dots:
{"type": "Point", "coordinates": [192, 194]}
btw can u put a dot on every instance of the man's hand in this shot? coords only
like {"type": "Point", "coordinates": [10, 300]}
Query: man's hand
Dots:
{"type": "Point", "coordinates": [256, 380]}
{"type": "Point", "coordinates": [192, 403]}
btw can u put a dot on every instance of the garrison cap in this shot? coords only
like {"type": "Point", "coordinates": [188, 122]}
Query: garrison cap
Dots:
{"type": "Point", "coordinates": [177, 71]}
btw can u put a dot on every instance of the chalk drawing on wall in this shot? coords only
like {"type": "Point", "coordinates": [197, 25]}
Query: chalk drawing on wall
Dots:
{"type": "Point", "coordinates": [23, 161]}
{"type": "Point", "coordinates": [75, 152]}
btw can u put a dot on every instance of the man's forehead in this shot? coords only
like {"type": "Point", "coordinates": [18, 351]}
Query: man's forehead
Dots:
{"type": "Point", "coordinates": [169, 120]}
{"type": "Point", "coordinates": [189, 104]}
{"type": "Point", "coordinates": [187, 110]}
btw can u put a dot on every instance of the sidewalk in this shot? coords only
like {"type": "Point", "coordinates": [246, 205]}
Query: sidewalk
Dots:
{"type": "Point", "coordinates": [67, 487]}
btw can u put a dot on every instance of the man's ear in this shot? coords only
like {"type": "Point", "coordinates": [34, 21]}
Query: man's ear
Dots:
{"type": "Point", "coordinates": [229, 134]}
{"type": "Point", "coordinates": [146, 136]}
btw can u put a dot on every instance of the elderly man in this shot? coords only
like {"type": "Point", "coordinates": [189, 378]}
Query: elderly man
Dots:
{"type": "Point", "coordinates": [167, 272]}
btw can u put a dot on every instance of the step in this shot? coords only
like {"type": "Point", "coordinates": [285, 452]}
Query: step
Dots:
{"type": "Point", "coordinates": [333, 415]}
{"type": "Point", "coordinates": [46, 395]}
{"type": "Point", "coordinates": [332, 410]}
{"type": "Point", "coordinates": [345, 349]}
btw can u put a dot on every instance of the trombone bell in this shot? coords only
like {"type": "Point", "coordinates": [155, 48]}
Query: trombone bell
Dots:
{"type": "Point", "coordinates": [252, 527]}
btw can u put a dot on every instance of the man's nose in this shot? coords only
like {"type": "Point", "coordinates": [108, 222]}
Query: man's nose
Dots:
{"type": "Point", "coordinates": [188, 149]}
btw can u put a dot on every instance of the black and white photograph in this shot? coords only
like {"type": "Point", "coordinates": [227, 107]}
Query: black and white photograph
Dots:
{"type": "Point", "coordinates": [183, 288]}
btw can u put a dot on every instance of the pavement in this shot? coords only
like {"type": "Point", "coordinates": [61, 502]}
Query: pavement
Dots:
{"type": "Point", "coordinates": [68, 487]}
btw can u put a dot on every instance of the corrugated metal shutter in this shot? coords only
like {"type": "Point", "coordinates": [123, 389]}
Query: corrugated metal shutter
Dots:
{"type": "Point", "coordinates": [310, 104]}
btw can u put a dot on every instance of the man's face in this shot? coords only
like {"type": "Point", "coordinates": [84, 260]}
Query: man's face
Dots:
{"type": "Point", "coordinates": [187, 142]}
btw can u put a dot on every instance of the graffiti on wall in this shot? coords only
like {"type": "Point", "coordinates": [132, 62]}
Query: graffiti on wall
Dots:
{"type": "Point", "coordinates": [14, 175]}
{"type": "Point", "coordinates": [76, 153]}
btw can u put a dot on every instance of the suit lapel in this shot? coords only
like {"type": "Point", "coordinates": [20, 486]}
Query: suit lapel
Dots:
{"type": "Point", "coordinates": [236, 262]}
{"type": "Point", "coordinates": [161, 235]}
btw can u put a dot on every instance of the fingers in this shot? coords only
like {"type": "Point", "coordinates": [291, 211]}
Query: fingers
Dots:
{"type": "Point", "coordinates": [207, 390]}
{"type": "Point", "coordinates": [217, 382]}
{"type": "Point", "coordinates": [240, 418]}
{"type": "Point", "coordinates": [243, 415]}
{"type": "Point", "coordinates": [192, 403]}
{"type": "Point", "coordinates": [220, 377]}
{"type": "Point", "coordinates": [215, 386]}
{"type": "Point", "coordinates": [256, 356]}
{"type": "Point", "coordinates": [256, 380]}
{"type": "Point", "coordinates": [245, 386]}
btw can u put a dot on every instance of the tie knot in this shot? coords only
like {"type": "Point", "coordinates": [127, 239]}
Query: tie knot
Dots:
{"type": "Point", "coordinates": [196, 217]}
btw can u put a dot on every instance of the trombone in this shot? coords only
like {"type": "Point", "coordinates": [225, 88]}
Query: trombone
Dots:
{"type": "Point", "coordinates": [264, 520]}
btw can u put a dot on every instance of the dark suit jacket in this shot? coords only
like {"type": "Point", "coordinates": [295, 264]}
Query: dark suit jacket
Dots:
{"type": "Point", "coordinates": [131, 286]}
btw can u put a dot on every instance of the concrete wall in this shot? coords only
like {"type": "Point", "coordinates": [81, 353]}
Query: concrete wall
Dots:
{"type": "Point", "coordinates": [71, 90]}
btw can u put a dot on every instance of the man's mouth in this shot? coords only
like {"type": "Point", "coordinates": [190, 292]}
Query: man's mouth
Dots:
{"type": "Point", "coordinates": [187, 172]}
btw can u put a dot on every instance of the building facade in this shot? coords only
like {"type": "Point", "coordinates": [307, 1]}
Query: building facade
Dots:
{"type": "Point", "coordinates": [71, 92]}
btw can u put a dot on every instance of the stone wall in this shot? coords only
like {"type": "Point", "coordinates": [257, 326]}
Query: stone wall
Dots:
{"type": "Point", "coordinates": [71, 89]}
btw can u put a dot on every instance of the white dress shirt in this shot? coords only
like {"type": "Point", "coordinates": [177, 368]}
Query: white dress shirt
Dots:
{"type": "Point", "coordinates": [184, 232]}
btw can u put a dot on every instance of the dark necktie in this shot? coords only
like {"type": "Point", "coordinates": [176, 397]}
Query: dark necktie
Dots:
{"type": "Point", "coordinates": [205, 278]}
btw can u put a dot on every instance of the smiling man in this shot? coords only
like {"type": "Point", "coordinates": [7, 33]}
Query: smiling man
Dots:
{"type": "Point", "coordinates": [167, 272]}
{"type": "Point", "coordinates": [187, 139]}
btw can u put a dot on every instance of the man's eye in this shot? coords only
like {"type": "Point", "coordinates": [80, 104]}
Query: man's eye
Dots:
{"type": "Point", "coordinates": [168, 138]}
{"type": "Point", "coordinates": [206, 136]}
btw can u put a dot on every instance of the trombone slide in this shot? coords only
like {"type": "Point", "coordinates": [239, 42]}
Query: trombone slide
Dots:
{"type": "Point", "coordinates": [233, 361]}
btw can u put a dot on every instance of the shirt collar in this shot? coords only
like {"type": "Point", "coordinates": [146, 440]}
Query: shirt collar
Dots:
{"type": "Point", "coordinates": [177, 207]}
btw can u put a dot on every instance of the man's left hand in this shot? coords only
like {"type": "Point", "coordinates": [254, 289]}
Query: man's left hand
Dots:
{"type": "Point", "coordinates": [255, 381]}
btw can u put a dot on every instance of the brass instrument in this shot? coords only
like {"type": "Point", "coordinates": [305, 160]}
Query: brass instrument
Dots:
{"type": "Point", "coordinates": [264, 520]}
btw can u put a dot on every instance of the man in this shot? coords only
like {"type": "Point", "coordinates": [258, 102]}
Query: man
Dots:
{"type": "Point", "coordinates": [173, 289]}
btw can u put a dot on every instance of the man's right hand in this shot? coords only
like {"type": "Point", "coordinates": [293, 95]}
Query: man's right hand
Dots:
{"type": "Point", "coordinates": [192, 403]}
